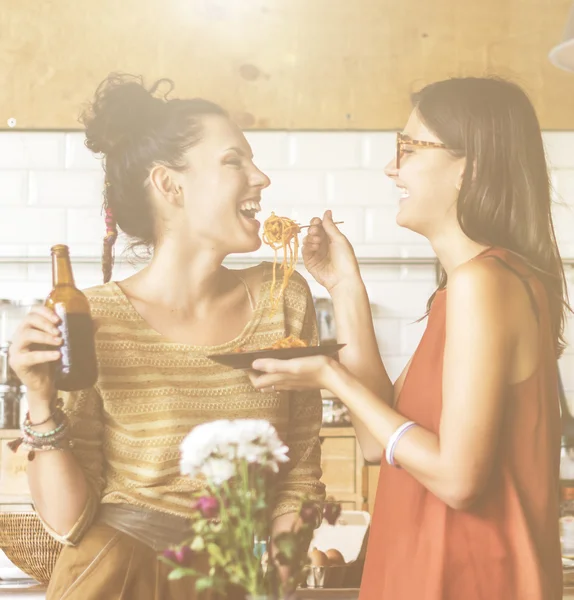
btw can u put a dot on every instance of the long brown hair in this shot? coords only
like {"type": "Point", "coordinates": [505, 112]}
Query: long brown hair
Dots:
{"type": "Point", "coordinates": [505, 197]}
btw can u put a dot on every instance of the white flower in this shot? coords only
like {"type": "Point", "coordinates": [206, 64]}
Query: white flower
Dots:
{"type": "Point", "coordinates": [212, 448]}
{"type": "Point", "coordinates": [251, 452]}
{"type": "Point", "coordinates": [218, 470]}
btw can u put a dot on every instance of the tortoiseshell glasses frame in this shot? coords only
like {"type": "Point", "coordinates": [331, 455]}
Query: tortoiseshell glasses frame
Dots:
{"type": "Point", "coordinates": [405, 140]}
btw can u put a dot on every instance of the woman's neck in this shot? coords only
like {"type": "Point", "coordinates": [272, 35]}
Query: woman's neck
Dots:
{"type": "Point", "coordinates": [183, 282]}
{"type": "Point", "coordinates": [454, 249]}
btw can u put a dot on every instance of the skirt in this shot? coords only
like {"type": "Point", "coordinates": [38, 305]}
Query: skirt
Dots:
{"type": "Point", "coordinates": [111, 565]}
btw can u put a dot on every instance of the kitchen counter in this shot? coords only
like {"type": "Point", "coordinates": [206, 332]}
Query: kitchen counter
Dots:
{"type": "Point", "coordinates": [13, 590]}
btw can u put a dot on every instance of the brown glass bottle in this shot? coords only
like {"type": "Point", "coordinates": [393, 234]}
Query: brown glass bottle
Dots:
{"type": "Point", "coordinates": [77, 369]}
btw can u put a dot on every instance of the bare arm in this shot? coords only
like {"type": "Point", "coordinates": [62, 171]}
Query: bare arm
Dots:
{"type": "Point", "coordinates": [456, 463]}
{"type": "Point", "coordinates": [66, 485]}
{"type": "Point", "coordinates": [361, 355]}
{"type": "Point", "coordinates": [56, 481]}
{"type": "Point", "coordinates": [330, 258]}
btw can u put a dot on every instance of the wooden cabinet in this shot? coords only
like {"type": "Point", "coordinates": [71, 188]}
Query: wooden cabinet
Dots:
{"type": "Point", "coordinates": [347, 477]}
{"type": "Point", "coordinates": [342, 465]}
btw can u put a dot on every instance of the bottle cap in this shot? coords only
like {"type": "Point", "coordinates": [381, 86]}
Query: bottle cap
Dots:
{"type": "Point", "coordinates": [60, 249]}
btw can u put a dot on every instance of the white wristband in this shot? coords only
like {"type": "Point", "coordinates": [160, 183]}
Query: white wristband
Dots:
{"type": "Point", "coordinates": [393, 440]}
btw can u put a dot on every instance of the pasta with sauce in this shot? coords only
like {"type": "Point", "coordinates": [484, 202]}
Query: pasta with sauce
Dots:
{"type": "Point", "coordinates": [281, 233]}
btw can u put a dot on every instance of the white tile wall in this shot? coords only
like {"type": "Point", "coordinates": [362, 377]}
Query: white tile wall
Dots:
{"type": "Point", "coordinates": [50, 191]}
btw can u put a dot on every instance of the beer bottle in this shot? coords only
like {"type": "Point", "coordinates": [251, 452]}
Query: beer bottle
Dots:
{"type": "Point", "coordinates": [77, 368]}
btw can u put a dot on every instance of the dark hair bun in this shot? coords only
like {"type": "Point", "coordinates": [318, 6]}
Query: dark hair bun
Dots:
{"type": "Point", "coordinates": [123, 109]}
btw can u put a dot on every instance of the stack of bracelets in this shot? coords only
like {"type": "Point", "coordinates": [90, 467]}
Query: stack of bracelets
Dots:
{"type": "Point", "coordinates": [36, 441]}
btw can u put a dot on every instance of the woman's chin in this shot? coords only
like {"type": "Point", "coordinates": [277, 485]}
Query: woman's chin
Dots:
{"type": "Point", "coordinates": [247, 246]}
{"type": "Point", "coordinates": [402, 219]}
{"type": "Point", "coordinates": [406, 221]}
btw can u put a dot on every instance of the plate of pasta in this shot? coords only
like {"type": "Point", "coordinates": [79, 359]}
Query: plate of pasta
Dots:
{"type": "Point", "coordinates": [283, 349]}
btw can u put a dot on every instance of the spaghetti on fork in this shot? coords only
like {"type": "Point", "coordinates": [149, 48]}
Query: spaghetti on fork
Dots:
{"type": "Point", "coordinates": [281, 233]}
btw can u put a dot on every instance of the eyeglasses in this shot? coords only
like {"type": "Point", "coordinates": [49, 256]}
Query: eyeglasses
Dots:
{"type": "Point", "coordinates": [405, 141]}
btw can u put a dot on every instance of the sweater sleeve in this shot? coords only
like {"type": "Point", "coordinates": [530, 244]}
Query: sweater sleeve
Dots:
{"type": "Point", "coordinates": [302, 477]}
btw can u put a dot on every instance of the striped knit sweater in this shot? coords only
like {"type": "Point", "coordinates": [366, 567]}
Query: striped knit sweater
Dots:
{"type": "Point", "coordinates": [151, 392]}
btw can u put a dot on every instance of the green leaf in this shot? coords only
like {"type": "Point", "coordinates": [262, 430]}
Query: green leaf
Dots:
{"type": "Point", "coordinates": [204, 583]}
{"type": "Point", "coordinates": [215, 551]}
{"type": "Point", "coordinates": [260, 504]}
{"type": "Point", "coordinates": [182, 572]}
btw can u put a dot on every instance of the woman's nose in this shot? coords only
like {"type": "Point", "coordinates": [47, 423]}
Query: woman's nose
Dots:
{"type": "Point", "coordinates": [259, 179]}
{"type": "Point", "coordinates": [391, 169]}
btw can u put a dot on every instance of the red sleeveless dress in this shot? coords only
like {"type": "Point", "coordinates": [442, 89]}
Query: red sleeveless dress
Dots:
{"type": "Point", "coordinates": [507, 546]}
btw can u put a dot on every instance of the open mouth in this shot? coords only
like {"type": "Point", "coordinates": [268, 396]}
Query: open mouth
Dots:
{"type": "Point", "coordinates": [249, 208]}
{"type": "Point", "coordinates": [403, 193]}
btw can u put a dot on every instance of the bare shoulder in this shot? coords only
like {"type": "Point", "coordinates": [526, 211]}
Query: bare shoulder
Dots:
{"type": "Point", "coordinates": [488, 291]}
{"type": "Point", "coordinates": [253, 278]}
{"type": "Point", "coordinates": [483, 276]}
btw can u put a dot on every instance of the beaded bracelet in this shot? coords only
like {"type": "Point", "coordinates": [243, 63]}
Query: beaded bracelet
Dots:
{"type": "Point", "coordinates": [58, 441]}
{"type": "Point", "coordinates": [32, 449]}
{"type": "Point", "coordinates": [57, 406]}
{"type": "Point", "coordinates": [63, 422]}
{"type": "Point", "coordinates": [41, 441]}
{"type": "Point", "coordinates": [53, 438]}
{"type": "Point", "coordinates": [39, 437]}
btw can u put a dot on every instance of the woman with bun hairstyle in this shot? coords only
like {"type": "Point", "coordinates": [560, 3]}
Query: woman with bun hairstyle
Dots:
{"type": "Point", "coordinates": [180, 180]}
{"type": "Point", "coordinates": [468, 436]}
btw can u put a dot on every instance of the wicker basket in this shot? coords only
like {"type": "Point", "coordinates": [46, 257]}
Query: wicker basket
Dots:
{"type": "Point", "coordinates": [28, 545]}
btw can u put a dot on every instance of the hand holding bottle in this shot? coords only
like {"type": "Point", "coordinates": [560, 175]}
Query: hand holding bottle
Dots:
{"type": "Point", "coordinates": [54, 349]}
{"type": "Point", "coordinates": [34, 349]}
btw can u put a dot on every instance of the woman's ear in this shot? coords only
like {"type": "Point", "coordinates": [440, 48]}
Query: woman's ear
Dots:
{"type": "Point", "coordinates": [460, 178]}
{"type": "Point", "coordinates": [164, 183]}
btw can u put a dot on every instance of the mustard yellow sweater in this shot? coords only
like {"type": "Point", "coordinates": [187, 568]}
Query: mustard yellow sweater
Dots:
{"type": "Point", "coordinates": [152, 392]}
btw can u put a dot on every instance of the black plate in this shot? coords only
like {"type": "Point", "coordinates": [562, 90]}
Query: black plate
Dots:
{"type": "Point", "coordinates": [243, 360]}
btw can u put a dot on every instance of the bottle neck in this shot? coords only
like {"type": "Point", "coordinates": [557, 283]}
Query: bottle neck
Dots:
{"type": "Point", "coordinates": [62, 270]}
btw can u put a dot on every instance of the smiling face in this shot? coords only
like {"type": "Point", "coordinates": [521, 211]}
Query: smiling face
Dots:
{"type": "Point", "coordinates": [220, 191]}
{"type": "Point", "coordinates": [429, 180]}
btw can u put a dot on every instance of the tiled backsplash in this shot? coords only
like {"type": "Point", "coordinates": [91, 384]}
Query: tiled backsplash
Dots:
{"type": "Point", "coordinates": [51, 185]}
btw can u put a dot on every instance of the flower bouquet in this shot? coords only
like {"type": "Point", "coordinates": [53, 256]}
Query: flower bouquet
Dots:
{"type": "Point", "coordinates": [231, 521]}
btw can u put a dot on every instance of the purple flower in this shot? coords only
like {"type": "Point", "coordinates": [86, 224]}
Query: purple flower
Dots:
{"type": "Point", "coordinates": [308, 512]}
{"type": "Point", "coordinates": [169, 554]}
{"type": "Point", "coordinates": [208, 506]}
{"type": "Point", "coordinates": [331, 512]}
{"type": "Point", "coordinates": [182, 555]}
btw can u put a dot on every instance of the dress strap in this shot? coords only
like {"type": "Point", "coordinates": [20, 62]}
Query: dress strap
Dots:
{"type": "Point", "coordinates": [520, 275]}
{"type": "Point", "coordinates": [248, 291]}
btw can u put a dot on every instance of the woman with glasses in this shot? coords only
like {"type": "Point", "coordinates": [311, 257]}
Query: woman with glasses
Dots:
{"type": "Point", "coordinates": [469, 435]}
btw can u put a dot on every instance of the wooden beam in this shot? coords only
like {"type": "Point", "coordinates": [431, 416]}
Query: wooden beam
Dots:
{"type": "Point", "coordinates": [278, 64]}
